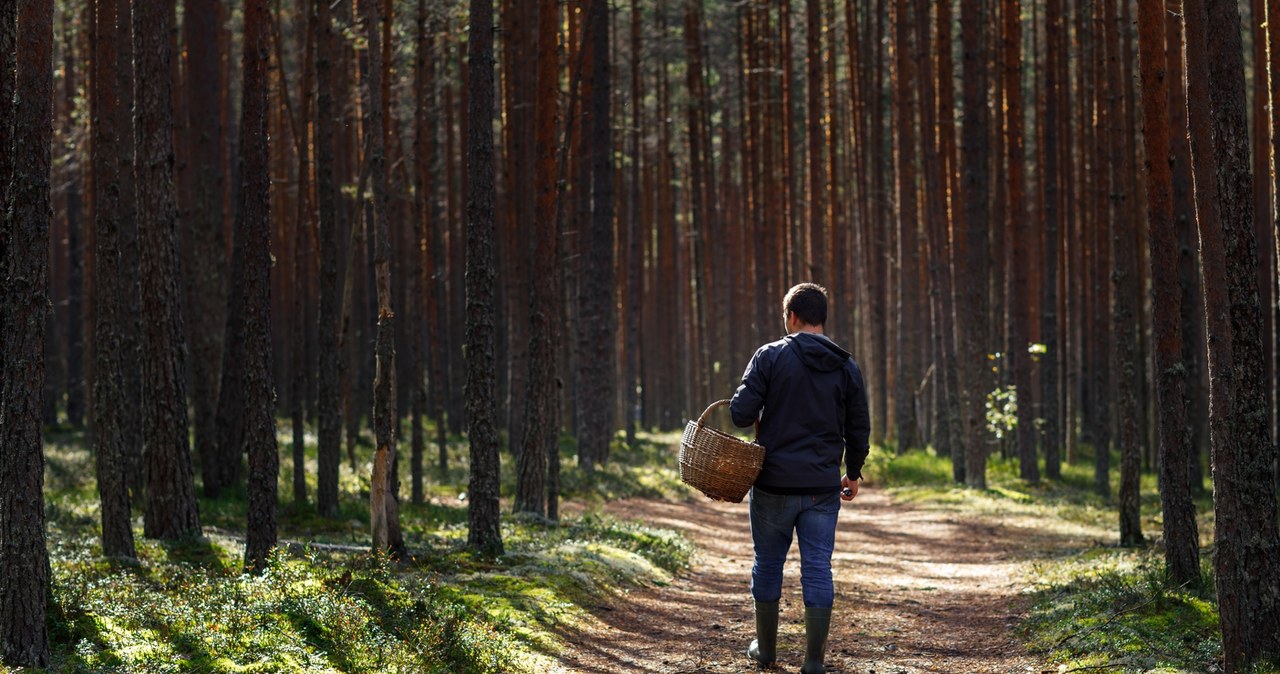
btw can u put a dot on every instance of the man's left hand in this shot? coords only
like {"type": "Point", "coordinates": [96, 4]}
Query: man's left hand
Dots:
{"type": "Point", "coordinates": [850, 485]}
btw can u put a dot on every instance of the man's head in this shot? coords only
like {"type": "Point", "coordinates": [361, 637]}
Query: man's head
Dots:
{"type": "Point", "coordinates": [808, 301]}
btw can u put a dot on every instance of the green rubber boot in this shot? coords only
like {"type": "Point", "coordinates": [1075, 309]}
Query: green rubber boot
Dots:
{"type": "Point", "coordinates": [817, 622]}
{"type": "Point", "coordinates": [764, 648]}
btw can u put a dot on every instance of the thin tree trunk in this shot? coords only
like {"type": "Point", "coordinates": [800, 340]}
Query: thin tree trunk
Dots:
{"type": "Point", "coordinates": [171, 510]}
{"type": "Point", "coordinates": [329, 443]}
{"type": "Point", "coordinates": [1123, 312]}
{"type": "Point", "coordinates": [109, 407]}
{"type": "Point", "coordinates": [596, 324]}
{"type": "Point", "coordinates": [975, 156]}
{"type": "Point", "coordinates": [24, 560]}
{"type": "Point", "coordinates": [253, 235]}
{"type": "Point", "coordinates": [907, 368]}
{"type": "Point", "coordinates": [483, 516]}
{"type": "Point", "coordinates": [383, 506]}
{"type": "Point", "coordinates": [541, 399]}
{"type": "Point", "coordinates": [72, 186]}
{"type": "Point", "coordinates": [204, 249]}
{"type": "Point", "coordinates": [1181, 540]}
{"type": "Point", "coordinates": [1054, 171]}
{"type": "Point", "coordinates": [300, 363]}
{"type": "Point", "coordinates": [635, 257]}
{"type": "Point", "coordinates": [1020, 360]}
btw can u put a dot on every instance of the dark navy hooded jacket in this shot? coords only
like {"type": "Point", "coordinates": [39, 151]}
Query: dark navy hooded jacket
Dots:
{"type": "Point", "coordinates": [810, 399]}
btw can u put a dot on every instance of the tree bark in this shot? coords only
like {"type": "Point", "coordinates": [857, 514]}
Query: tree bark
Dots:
{"type": "Point", "coordinates": [1124, 313]}
{"type": "Point", "coordinates": [171, 510]}
{"type": "Point", "coordinates": [907, 368]}
{"type": "Point", "coordinates": [1054, 171]}
{"type": "Point", "coordinates": [24, 561]}
{"type": "Point", "coordinates": [1246, 539]}
{"type": "Point", "coordinates": [1191, 301]}
{"type": "Point", "coordinates": [383, 504]}
{"type": "Point", "coordinates": [1020, 360]}
{"type": "Point", "coordinates": [253, 236]}
{"type": "Point", "coordinates": [109, 403]}
{"type": "Point", "coordinates": [328, 409]}
{"type": "Point", "coordinates": [975, 156]}
{"type": "Point", "coordinates": [204, 249]}
{"type": "Point", "coordinates": [485, 534]}
{"type": "Point", "coordinates": [596, 381]}
{"type": "Point", "coordinates": [1181, 540]}
{"type": "Point", "coordinates": [72, 187]}
{"type": "Point", "coordinates": [541, 398]}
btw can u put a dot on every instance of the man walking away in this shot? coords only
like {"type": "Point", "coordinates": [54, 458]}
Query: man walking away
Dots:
{"type": "Point", "coordinates": [809, 397]}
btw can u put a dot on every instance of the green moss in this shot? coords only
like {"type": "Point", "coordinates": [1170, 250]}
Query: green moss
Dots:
{"type": "Point", "coordinates": [1115, 607]}
{"type": "Point", "coordinates": [186, 606]}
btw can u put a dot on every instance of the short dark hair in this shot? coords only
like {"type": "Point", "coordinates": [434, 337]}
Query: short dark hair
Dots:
{"type": "Point", "coordinates": [808, 301]}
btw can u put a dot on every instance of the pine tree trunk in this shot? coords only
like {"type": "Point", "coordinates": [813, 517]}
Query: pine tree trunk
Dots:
{"type": "Point", "coordinates": [975, 157]}
{"type": "Point", "coordinates": [437, 300]}
{"type": "Point", "coordinates": [631, 380]}
{"type": "Point", "coordinates": [906, 368]}
{"type": "Point", "coordinates": [329, 442]}
{"type": "Point", "coordinates": [1181, 541]}
{"type": "Point", "coordinates": [596, 351]}
{"type": "Point", "coordinates": [299, 362]}
{"type": "Point", "coordinates": [1019, 358]}
{"type": "Point", "coordinates": [815, 109]}
{"type": "Point", "coordinates": [24, 560]}
{"type": "Point", "coordinates": [1191, 300]}
{"type": "Point", "coordinates": [253, 235]}
{"type": "Point", "coordinates": [109, 408]}
{"type": "Point", "coordinates": [1124, 314]}
{"type": "Point", "coordinates": [72, 186]}
{"type": "Point", "coordinates": [1053, 171]}
{"type": "Point", "coordinates": [383, 504]}
{"type": "Point", "coordinates": [171, 510]}
{"type": "Point", "coordinates": [203, 246]}
{"type": "Point", "coordinates": [541, 397]}
{"type": "Point", "coordinates": [1246, 539]}
{"type": "Point", "coordinates": [483, 517]}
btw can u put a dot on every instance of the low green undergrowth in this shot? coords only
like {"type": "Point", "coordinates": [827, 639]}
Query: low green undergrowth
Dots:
{"type": "Point", "coordinates": [325, 604]}
{"type": "Point", "coordinates": [1115, 609]}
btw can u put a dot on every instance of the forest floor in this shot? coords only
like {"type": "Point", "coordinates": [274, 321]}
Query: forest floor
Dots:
{"type": "Point", "coordinates": [917, 590]}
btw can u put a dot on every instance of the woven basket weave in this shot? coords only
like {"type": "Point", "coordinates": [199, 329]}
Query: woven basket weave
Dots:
{"type": "Point", "coordinates": [718, 464]}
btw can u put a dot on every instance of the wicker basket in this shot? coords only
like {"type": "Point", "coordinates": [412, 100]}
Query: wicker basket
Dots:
{"type": "Point", "coordinates": [718, 464]}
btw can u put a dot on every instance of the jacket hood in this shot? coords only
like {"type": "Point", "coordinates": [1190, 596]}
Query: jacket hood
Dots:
{"type": "Point", "coordinates": [817, 352]}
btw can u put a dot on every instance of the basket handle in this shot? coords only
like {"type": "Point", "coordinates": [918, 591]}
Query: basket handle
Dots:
{"type": "Point", "coordinates": [720, 403]}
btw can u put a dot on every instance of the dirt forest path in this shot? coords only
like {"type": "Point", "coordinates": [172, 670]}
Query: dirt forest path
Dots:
{"type": "Point", "coordinates": [916, 591]}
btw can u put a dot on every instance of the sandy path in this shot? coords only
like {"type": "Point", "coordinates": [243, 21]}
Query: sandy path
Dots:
{"type": "Point", "coordinates": [916, 591]}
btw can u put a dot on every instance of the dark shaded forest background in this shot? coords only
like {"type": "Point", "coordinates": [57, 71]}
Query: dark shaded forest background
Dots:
{"type": "Point", "coordinates": [1036, 242]}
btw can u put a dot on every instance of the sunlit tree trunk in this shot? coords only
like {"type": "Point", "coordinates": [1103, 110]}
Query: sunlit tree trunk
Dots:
{"type": "Point", "coordinates": [1245, 533]}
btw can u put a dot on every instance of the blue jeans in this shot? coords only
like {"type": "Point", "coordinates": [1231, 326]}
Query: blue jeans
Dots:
{"type": "Point", "coordinates": [813, 518]}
